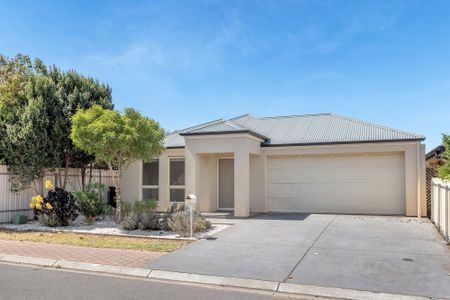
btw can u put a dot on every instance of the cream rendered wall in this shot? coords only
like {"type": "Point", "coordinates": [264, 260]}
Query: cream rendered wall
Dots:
{"type": "Point", "coordinates": [258, 183]}
{"type": "Point", "coordinates": [131, 182]}
{"type": "Point", "coordinates": [414, 153]}
{"type": "Point", "coordinates": [201, 156]}
{"type": "Point", "coordinates": [199, 167]}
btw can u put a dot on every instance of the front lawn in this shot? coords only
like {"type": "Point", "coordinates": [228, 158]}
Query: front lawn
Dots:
{"type": "Point", "coordinates": [96, 241]}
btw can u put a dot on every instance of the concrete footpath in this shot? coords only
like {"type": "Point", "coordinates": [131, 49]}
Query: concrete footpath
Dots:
{"type": "Point", "coordinates": [251, 284]}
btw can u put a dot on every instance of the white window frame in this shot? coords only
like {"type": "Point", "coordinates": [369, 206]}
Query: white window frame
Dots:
{"type": "Point", "coordinates": [152, 186]}
{"type": "Point", "coordinates": [175, 158]}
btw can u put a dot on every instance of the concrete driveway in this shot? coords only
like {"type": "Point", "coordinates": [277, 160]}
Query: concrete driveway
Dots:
{"type": "Point", "coordinates": [381, 254]}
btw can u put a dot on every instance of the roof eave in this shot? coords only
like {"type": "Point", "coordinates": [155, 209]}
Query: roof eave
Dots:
{"type": "Point", "coordinates": [264, 138]}
{"type": "Point", "coordinates": [343, 142]}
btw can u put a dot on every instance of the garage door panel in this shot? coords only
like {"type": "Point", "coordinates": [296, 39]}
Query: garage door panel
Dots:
{"type": "Point", "coordinates": [350, 161]}
{"type": "Point", "coordinates": [286, 175]}
{"type": "Point", "coordinates": [284, 205]}
{"type": "Point", "coordinates": [316, 175]}
{"type": "Point", "coordinates": [361, 184]}
{"type": "Point", "coordinates": [393, 160]}
{"type": "Point", "coordinates": [387, 174]}
{"type": "Point", "coordinates": [351, 175]}
{"type": "Point", "coordinates": [283, 162]}
{"type": "Point", "coordinates": [317, 206]}
{"type": "Point", "coordinates": [316, 190]}
{"type": "Point", "coordinates": [382, 190]}
{"type": "Point", "coordinates": [350, 189]}
{"type": "Point", "coordinates": [282, 190]}
{"type": "Point", "coordinates": [315, 162]}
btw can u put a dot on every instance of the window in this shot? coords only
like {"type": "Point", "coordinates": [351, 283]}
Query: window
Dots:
{"type": "Point", "coordinates": [150, 179]}
{"type": "Point", "coordinates": [176, 179]}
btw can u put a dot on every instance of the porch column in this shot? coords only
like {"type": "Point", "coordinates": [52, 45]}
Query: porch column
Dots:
{"type": "Point", "coordinates": [242, 184]}
{"type": "Point", "coordinates": [190, 172]}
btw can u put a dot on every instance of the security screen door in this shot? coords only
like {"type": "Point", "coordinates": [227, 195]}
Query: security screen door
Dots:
{"type": "Point", "coordinates": [226, 183]}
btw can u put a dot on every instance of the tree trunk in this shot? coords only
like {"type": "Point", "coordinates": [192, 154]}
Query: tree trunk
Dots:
{"type": "Point", "coordinates": [58, 177]}
{"type": "Point", "coordinates": [83, 177]}
{"type": "Point", "coordinates": [118, 205]}
{"type": "Point", "coordinates": [66, 170]}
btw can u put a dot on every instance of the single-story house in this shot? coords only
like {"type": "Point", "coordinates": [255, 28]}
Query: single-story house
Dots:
{"type": "Point", "coordinates": [315, 163]}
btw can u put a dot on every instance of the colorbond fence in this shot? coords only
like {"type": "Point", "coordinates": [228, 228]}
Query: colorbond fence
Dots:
{"type": "Point", "coordinates": [18, 203]}
{"type": "Point", "coordinates": [440, 205]}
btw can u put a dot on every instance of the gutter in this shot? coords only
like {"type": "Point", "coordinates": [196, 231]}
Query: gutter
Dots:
{"type": "Point", "coordinates": [343, 142]}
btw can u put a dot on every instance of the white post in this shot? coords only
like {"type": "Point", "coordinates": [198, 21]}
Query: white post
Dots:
{"type": "Point", "coordinates": [190, 201]}
{"type": "Point", "coordinates": [190, 219]}
{"type": "Point", "coordinates": [446, 211]}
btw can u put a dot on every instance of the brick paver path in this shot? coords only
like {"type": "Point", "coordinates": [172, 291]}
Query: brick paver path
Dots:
{"type": "Point", "coordinates": [115, 257]}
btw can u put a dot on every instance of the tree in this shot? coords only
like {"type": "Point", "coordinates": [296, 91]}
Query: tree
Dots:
{"type": "Point", "coordinates": [444, 170]}
{"type": "Point", "coordinates": [117, 140]}
{"type": "Point", "coordinates": [32, 142]}
{"type": "Point", "coordinates": [25, 100]}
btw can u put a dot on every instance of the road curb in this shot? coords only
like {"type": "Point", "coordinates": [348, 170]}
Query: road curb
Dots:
{"type": "Point", "coordinates": [43, 262]}
{"type": "Point", "coordinates": [75, 265]}
{"type": "Point", "coordinates": [215, 280]}
{"type": "Point", "coordinates": [332, 292]}
{"type": "Point", "coordinates": [255, 284]}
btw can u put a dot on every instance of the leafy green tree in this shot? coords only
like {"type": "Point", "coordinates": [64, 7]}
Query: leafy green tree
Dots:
{"type": "Point", "coordinates": [74, 92]}
{"type": "Point", "coordinates": [117, 140]}
{"type": "Point", "coordinates": [444, 170]}
{"type": "Point", "coordinates": [25, 99]}
{"type": "Point", "coordinates": [32, 142]}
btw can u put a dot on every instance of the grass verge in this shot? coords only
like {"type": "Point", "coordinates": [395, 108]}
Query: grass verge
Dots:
{"type": "Point", "coordinates": [96, 241]}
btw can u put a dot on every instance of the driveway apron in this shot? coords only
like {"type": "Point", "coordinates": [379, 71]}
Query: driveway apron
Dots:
{"type": "Point", "coordinates": [399, 255]}
{"type": "Point", "coordinates": [265, 247]}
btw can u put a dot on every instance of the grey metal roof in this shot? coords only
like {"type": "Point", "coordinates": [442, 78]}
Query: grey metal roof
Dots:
{"type": "Point", "coordinates": [299, 130]}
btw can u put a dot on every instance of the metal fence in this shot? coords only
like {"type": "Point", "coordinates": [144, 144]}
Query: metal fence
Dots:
{"type": "Point", "coordinates": [18, 203]}
{"type": "Point", "coordinates": [440, 205]}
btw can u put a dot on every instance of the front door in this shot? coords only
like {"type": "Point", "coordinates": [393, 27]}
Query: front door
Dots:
{"type": "Point", "coordinates": [226, 183]}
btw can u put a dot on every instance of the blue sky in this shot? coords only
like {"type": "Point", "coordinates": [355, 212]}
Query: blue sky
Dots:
{"type": "Point", "coordinates": [185, 62]}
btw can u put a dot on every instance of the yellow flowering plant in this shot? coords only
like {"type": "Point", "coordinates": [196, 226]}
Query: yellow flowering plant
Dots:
{"type": "Point", "coordinates": [48, 185]}
{"type": "Point", "coordinates": [59, 208]}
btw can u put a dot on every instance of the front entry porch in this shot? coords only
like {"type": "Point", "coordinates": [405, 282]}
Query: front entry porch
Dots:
{"type": "Point", "coordinates": [226, 173]}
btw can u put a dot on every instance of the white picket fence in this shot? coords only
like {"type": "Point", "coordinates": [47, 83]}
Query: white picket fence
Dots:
{"type": "Point", "coordinates": [440, 205]}
{"type": "Point", "coordinates": [18, 203]}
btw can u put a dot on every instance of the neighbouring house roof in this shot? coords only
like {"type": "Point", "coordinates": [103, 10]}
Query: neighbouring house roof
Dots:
{"type": "Point", "coordinates": [436, 152]}
{"type": "Point", "coordinates": [308, 129]}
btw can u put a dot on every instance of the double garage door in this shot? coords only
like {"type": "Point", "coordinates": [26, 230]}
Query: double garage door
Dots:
{"type": "Point", "coordinates": [354, 184]}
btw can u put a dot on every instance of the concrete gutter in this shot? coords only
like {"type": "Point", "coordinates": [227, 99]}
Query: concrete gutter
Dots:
{"type": "Point", "coordinates": [252, 284]}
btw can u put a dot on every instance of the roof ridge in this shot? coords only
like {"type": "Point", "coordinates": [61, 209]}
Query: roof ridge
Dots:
{"type": "Point", "coordinates": [241, 116]}
{"type": "Point", "coordinates": [199, 126]}
{"type": "Point", "coordinates": [377, 125]}
{"type": "Point", "coordinates": [295, 116]}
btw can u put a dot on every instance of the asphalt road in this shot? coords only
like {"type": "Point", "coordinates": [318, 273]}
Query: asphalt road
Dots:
{"type": "Point", "coordinates": [23, 282]}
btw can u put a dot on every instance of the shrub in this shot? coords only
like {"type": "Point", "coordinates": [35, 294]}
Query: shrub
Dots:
{"type": "Point", "coordinates": [59, 207]}
{"type": "Point", "coordinates": [91, 199]}
{"type": "Point", "coordinates": [145, 206]}
{"type": "Point", "coordinates": [64, 204]}
{"type": "Point", "coordinates": [130, 222]}
{"type": "Point", "coordinates": [180, 223]}
{"type": "Point", "coordinates": [141, 215]}
{"type": "Point", "coordinates": [49, 220]}
{"type": "Point", "coordinates": [174, 208]}
{"type": "Point", "coordinates": [149, 221]}
{"type": "Point", "coordinates": [108, 210]}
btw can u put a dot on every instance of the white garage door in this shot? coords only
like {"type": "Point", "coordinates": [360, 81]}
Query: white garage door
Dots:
{"type": "Point", "coordinates": [365, 184]}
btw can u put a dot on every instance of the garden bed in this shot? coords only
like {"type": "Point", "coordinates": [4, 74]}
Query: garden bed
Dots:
{"type": "Point", "coordinates": [109, 227]}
